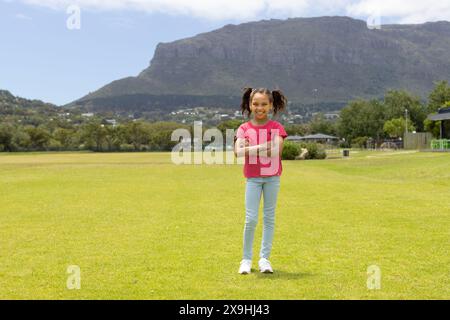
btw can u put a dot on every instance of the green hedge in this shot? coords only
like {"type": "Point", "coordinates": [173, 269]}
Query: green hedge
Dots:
{"type": "Point", "coordinates": [290, 150]}
{"type": "Point", "coordinates": [315, 150]}
{"type": "Point", "coordinates": [293, 149]}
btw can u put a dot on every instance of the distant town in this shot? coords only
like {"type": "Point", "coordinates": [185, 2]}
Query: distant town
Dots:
{"type": "Point", "coordinates": [209, 116]}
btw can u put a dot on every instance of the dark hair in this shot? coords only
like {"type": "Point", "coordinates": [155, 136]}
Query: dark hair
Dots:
{"type": "Point", "coordinates": [276, 97]}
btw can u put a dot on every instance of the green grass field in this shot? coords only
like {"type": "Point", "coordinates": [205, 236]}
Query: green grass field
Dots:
{"type": "Point", "coordinates": [140, 227]}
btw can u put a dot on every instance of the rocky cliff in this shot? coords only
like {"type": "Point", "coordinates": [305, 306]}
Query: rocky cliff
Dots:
{"type": "Point", "coordinates": [339, 56]}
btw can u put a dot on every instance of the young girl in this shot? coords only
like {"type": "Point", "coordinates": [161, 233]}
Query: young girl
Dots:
{"type": "Point", "coordinates": [260, 140]}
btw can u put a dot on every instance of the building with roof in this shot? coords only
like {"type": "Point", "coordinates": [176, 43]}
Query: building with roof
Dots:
{"type": "Point", "coordinates": [443, 115]}
{"type": "Point", "coordinates": [318, 137]}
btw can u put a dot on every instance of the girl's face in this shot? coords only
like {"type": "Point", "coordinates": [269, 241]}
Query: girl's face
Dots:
{"type": "Point", "coordinates": [260, 106]}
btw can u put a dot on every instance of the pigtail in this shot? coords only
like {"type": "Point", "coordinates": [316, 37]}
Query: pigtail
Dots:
{"type": "Point", "coordinates": [245, 104]}
{"type": "Point", "coordinates": [279, 101]}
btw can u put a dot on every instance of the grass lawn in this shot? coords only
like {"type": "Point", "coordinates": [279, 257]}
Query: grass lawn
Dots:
{"type": "Point", "coordinates": [140, 227]}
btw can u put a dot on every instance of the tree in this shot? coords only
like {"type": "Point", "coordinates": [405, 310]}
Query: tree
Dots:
{"type": "Point", "coordinates": [439, 96]}
{"type": "Point", "coordinates": [362, 119]}
{"type": "Point", "coordinates": [319, 124]}
{"type": "Point", "coordinates": [229, 124]}
{"type": "Point", "coordinates": [360, 142]}
{"type": "Point", "coordinates": [297, 129]}
{"type": "Point", "coordinates": [432, 126]}
{"type": "Point", "coordinates": [21, 139]}
{"type": "Point", "coordinates": [136, 133]}
{"type": "Point", "coordinates": [113, 137]}
{"type": "Point", "coordinates": [396, 101]}
{"type": "Point", "coordinates": [39, 137]}
{"type": "Point", "coordinates": [161, 133]}
{"type": "Point", "coordinates": [93, 135]}
{"type": "Point", "coordinates": [6, 138]}
{"type": "Point", "coordinates": [396, 127]}
{"type": "Point", "coordinates": [65, 137]}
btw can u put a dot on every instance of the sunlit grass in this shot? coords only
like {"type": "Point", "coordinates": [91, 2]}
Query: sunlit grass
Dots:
{"type": "Point", "coordinates": [140, 227]}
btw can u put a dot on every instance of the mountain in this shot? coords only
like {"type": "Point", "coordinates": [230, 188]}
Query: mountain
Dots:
{"type": "Point", "coordinates": [10, 104]}
{"type": "Point", "coordinates": [339, 56]}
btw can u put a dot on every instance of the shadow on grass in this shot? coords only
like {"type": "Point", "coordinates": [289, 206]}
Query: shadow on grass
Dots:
{"type": "Point", "coordinates": [280, 274]}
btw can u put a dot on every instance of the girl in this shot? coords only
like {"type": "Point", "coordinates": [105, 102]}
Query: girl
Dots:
{"type": "Point", "coordinates": [260, 140]}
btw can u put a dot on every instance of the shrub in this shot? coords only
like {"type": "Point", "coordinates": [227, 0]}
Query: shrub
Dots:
{"type": "Point", "coordinates": [127, 147]}
{"type": "Point", "coordinates": [54, 145]}
{"type": "Point", "coordinates": [290, 150]}
{"type": "Point", "coordinates": [344, 144]}
{"type": "Point", "coordinates": [315, 150]}
{"type": "Point", "coordinates": [359, 142]}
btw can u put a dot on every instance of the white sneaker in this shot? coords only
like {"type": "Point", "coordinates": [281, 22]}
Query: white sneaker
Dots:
{"type": "Point", "coordinates": [245, 267]}
{"type": "Point", "coordinates": [264, 266]}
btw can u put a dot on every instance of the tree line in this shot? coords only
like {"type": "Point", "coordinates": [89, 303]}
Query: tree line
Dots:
{"type": "Point", "coordinates": [358, 121]}
{"type": "Point", "coordinates": [380, 119]}
{"type": "Point", "coordinates": [91, 135]}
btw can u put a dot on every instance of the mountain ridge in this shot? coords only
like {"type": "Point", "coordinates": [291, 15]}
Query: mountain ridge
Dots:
{"type": "Point", "coordinates": [339, 56]}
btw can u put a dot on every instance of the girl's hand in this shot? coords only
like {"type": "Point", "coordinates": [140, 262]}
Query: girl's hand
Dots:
{"type": "Point", "coordinates": [265, 149]}
{"type": "Point", "coordinates": [270, 147]}
{"type": "Point", "coordinates": [275, 147]}
{"type": "Point", "coordinates": [246, 143]}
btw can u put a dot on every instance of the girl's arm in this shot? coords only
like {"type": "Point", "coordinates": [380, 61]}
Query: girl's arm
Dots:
{"type": "Point", "coordinates": [270, 148]}
{"type": "Point", "coordinates": [242, 148]}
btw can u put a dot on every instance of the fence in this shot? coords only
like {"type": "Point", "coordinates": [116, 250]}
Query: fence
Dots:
{"type": "Point", "coordinates": [419, 140]}
{"type": "Point", "coordinates": [440, 144]}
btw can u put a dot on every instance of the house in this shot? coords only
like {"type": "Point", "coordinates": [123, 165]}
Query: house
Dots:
{"type": "Point", "coordinates": [331, 115]}
{"type": "Point", "coordinates": [113, 122]}
{"type": "Point", "coordinates": [443, 115]}
{"type": "Point", "coordinates": [319, 137]}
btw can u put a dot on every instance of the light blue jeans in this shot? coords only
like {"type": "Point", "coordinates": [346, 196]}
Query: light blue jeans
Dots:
{"type": "Point", "coordinates": [269, 187]}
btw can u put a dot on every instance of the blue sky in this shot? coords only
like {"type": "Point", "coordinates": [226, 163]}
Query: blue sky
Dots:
{"type": "Point", "coordinates": [40, 58]}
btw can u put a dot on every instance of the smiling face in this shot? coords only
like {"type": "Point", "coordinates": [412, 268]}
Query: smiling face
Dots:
{"type": "Point", "coordinates": [261, 106]}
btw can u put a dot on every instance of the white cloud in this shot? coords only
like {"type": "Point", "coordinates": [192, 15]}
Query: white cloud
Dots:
{"type": "Point", "coordinates": [400, 11]}
{"type": "Point", "coordinates": [22, 16]}
{"type": "Point", "coordinates": [209, 9]}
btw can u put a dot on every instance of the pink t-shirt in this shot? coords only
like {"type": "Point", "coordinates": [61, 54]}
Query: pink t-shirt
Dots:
{"type": "Point", "coordinates": [260, 166]}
